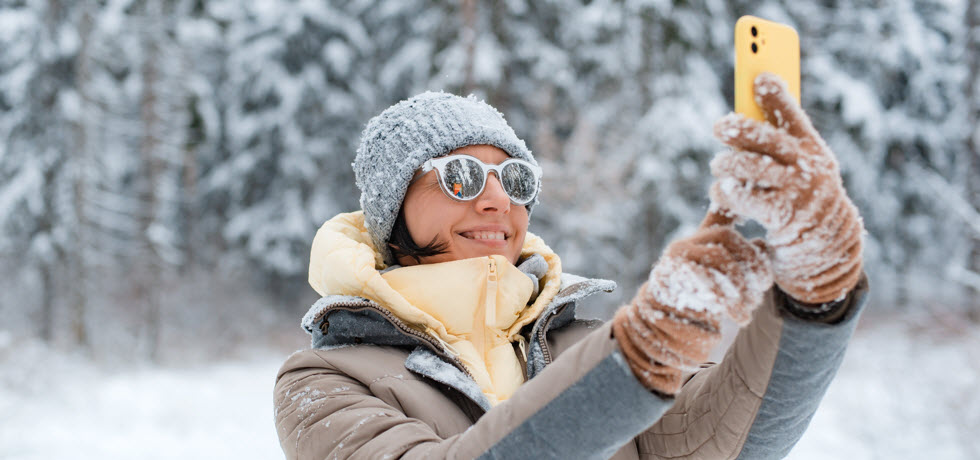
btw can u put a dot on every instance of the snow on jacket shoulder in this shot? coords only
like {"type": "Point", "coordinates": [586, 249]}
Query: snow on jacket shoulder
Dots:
{"type": "Point", "coordinates": [373, 386]}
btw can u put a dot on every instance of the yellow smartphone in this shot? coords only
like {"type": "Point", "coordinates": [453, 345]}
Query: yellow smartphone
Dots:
{"type": "Point", "coordinates": [768, 46]}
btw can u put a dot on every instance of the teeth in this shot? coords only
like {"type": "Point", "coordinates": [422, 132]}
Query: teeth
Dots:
{"type": "Point", "coordinates": [484, 235]}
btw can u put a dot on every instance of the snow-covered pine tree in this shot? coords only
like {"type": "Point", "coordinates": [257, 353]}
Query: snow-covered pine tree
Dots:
{"type": "Point", "coordinates": [159, 145]}
{"type": "Point", "coordinates": [288, 103]}
{"type": "Point", "coordinates": [302, 79]}
{"type": "Point", "coordinates": [38, 47]}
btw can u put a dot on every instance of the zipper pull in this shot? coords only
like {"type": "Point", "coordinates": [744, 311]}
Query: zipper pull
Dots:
{"type": "Point", "coordinates": [490, 307]}
{"type": "Point", "coordinates": [522, 345]}
{"type": "Point", "coordinates": [445, 345]}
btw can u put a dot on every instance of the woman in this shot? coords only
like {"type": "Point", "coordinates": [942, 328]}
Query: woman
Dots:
{"type": "Point", "coordinates": [446, 330]}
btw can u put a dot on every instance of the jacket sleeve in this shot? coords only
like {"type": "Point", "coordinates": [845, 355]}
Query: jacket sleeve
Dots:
{"type": "Point", "coordinates": [586, 404]}
{"type": "Point", "coordinates": [758, 401]}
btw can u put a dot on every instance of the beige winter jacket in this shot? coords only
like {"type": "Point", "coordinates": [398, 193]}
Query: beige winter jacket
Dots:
{"type": "Point", "coordinates": [376, 386]}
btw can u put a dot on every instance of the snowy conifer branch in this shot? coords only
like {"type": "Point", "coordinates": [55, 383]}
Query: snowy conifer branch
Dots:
{"type": "Point", "coordinates": [946, 194]}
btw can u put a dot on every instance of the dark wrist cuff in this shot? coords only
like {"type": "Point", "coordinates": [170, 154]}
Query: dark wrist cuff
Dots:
{"type": "Point", "coordinates": [829, 312]}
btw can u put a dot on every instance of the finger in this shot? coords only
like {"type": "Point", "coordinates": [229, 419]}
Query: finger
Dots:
{"type": "Point", "coordinates": [653, 311]}
{"type": "Point", "coordinates": [666, 343]}
{"type": "Point", "coordinates": [781, 108]}
{"type": "Point", "coordinates": [735, 270]}
{"type": "Point", "coordinates": [848, 260]}
{"type": "Point", "coordinates": [772, 208]}
{"type": "Point", "coordinates": [647, 359]}
{"type": "Point", "coordinates": [689, 280]}
{"type": "Point", "coordinates": [753, 274]}
{"type": "Point", "coordinates": [740, 269]}
{"type": "Point", "coordinates": [817, 252]}
{"type": "Point", "coordinates": [642, 361]}
{"type": "Point", "coordinates": [689, 289]}
{"type": "Point", "coordinates": [830, 286]}
{"type": "Point", "coordinates": [683, 342]}
{"type": "Point", "coordinates": [760, 267]}
{"type": "Point", "coordinates": [705, 249]}
{"type": "Point", "coordinates": [713, 236]}
{"type": "Point", "coordinates": [715, 246]}
{"type": "Point", "coordinates": [818, 213]}
{"type": "Point", "coordinates": [744, 133]}
{"type": "Point", "coordinates": [759, 170]}
{"type": "Point", "coordinates": [717, 217]}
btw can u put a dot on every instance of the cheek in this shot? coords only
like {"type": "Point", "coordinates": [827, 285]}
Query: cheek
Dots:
{"type": "Point", "coordinates": [519, 220]}
{"type": "Point", "coordinates": [419, 224]}
{"type": "Point", "coordinates": [428, 218]}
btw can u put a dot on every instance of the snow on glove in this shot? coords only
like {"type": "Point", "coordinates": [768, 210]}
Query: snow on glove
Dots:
{"type": "Point", "coordinates": [674, 320]}
{"type": "Point", "coordinates": [784, 176]}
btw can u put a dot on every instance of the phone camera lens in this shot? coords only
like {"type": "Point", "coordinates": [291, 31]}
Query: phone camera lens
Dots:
{"type": "Point", "coordinates": [755, 32]}
{"type": "Point", "coordinates": [755, 48]}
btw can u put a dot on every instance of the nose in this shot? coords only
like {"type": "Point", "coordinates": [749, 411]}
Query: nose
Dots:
{"type": "Point", "coordinates": [493, 199]}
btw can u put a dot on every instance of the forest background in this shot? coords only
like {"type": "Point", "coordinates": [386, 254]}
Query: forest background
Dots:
{"type": "Point", "coordinates": [164, 164]}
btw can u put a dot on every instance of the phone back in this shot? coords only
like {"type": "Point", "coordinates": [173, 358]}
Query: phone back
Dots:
{"type": "Point", "coordinates": [762, 45]}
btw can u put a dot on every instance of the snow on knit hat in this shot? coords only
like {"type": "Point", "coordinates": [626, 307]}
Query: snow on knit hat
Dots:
{"type": "Point", "coordinates": [397, 142]}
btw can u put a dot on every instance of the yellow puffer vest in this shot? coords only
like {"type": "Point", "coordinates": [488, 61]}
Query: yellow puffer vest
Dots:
{"type": "Point", "coordinates": [475, 307]}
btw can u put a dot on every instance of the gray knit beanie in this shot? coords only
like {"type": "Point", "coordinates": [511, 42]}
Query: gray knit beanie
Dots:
{"type": "Point", "coordinates": [396, 143]}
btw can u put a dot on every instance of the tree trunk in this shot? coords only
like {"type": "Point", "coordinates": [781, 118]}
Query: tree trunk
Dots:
{"type": "Point", "coordinates": [150, 139]}
{"type": "Point", "coordinates": [77, 265]}
{"type": "Point", "coordinates": [469, 35]}
{"type": "Point", "coordinates": [973, 136]}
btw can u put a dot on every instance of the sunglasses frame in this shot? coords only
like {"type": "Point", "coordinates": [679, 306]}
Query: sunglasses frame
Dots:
{"type": "Point", "coordinates": [439, 164]}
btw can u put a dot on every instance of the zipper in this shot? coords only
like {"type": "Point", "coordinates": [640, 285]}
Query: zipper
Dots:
{"type": "Point", "coordinates": [446, 346]}
{"type": "Point", "coordinates": [522, 346]}
{"type": "Point", "coordinates": [542, 341]}
{"type": "Point", "coordinates": [522, 355]}
{"type": "Point", "coordinates": [434, 343]}
{"type": "Point", "coordinates": [490, 315]}
{"type": "Point", "coordinates": [545, 322]}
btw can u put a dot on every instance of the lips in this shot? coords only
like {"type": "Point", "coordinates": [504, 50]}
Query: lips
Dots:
{"type": "Point", "coordinates": [484, 235]}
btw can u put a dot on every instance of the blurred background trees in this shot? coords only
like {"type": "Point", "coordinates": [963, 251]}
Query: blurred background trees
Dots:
{"type": "Point", "coordinates": [164, 164]}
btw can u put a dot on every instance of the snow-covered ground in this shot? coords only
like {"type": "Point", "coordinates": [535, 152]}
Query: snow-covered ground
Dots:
{"type": "Point", "coordinates": [908, 389]}
{"type": "Point", "coordinates": [903, 393]}
{"type": "Point", "coordinates": [55, 407]}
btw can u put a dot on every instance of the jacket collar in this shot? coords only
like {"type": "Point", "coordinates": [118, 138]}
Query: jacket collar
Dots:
{"type": "Point", "coordinates": [343, 261]}
{"type": "Point", "coordinates": [337, 321]}
{"type": "Point", "coordinates": [341, 320]}
{"type": "Point", "coordinates": [360, 306]}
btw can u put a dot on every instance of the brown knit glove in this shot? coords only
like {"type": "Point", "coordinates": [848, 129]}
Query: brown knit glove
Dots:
{"type": "Point", "coordinates": [784, 176]}
{"type": "Point", "coordinates": [674, 320]}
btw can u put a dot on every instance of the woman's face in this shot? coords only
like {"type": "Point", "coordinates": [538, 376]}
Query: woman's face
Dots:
{"type": "Point", "coordinates": [488, 224]}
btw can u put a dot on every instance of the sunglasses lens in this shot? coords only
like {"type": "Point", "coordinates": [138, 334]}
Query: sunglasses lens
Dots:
{"type": "Point", "coordinates": [519, 182]}
{"type": "Point", "coordinates": [463, 178]}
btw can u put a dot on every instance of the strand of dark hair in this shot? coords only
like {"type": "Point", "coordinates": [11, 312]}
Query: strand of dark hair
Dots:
{"type": "Point", "coordinates": [402, 244]}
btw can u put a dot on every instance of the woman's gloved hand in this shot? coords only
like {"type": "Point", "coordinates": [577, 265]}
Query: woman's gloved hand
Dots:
{"type": "Point", "coordinates": [674, 320]}
{"type": "Point", "coordinates": [784, 176]}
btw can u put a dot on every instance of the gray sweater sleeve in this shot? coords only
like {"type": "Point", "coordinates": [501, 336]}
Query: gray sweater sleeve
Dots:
{"type": "Point", "coordinates": [600, 408]}
{"type": "Point", "coordinates": [810, 352]}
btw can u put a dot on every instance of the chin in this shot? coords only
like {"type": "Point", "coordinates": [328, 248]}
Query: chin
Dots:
{"type": "Point", "coordinates": [471, 254]}
{"type": "Point", "coordinates": [509, 256]}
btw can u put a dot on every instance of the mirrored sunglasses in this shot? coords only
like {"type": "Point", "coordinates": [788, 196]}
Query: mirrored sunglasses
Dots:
{"type": "Point", "coordinates": [463, 177]}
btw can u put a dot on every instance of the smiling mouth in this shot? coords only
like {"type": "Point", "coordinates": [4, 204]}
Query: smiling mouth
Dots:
{"type": "Point", "coordinates": [484, 236]}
